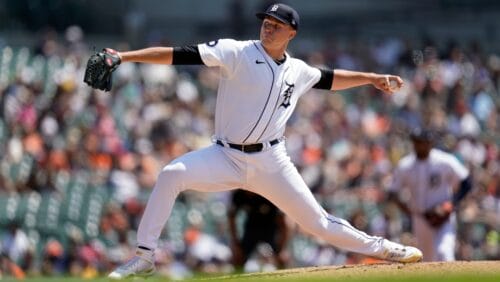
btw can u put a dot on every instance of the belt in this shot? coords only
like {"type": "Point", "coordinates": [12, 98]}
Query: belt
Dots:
{"type": "Point", "coordinates": [248, 148]}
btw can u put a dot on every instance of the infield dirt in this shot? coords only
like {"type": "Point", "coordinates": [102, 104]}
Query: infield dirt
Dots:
{"type": "Point", "coordinates": [434, 271]}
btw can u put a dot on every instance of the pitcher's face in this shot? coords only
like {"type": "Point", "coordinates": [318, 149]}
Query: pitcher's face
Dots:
{"type": "Point", "coordinates": [274, 34]}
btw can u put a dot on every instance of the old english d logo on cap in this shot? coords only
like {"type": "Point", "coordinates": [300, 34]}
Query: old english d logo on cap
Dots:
{"type": "Point", "coordinates": [283, 13]}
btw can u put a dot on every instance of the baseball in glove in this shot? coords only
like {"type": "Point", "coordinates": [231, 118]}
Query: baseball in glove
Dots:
{"type": "Point", "coordinates": [439, 214]}
{"type": "Point", "coordinates": [100, 67]}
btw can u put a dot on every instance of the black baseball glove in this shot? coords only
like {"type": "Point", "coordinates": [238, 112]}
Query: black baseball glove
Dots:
{"type": "Point", "coordinates": [439, 214]}
{"type": "Point", "coordinates": [100, 67]}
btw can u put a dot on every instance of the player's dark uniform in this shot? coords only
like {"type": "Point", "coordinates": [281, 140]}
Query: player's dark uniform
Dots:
{"type": "Point", "coordinates": [262, 223]}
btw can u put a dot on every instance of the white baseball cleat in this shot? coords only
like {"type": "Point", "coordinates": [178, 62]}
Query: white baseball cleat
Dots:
{"type": "Point", "coordinates": [136, 266]}
{"type": "Point", "coordinates": [399, 253]}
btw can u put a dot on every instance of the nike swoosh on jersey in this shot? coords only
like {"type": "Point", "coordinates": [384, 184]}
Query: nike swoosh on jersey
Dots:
{"type": "Point", "coordinates": [259, 62]}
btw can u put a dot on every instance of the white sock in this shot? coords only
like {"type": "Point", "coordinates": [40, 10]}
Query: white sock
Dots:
{"type": "Point", "coordinates": [146, 254]}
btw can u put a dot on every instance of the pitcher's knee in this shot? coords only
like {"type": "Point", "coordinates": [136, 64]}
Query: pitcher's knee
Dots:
{"type": "Point", "coordinates": [172, 175]}
{"type": "Point", "coordinates": [318, 227]}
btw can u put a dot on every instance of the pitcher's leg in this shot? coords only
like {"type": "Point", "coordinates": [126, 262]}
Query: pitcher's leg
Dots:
{"type": "Point", "coordinates": [206, 170]}
{"type": "Point", "coordinates": [288, 191]}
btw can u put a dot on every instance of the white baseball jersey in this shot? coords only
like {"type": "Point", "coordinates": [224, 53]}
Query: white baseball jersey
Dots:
{"type": "Point", "coordinates": [256, 96]}
{"type": "Point", "coordinates": [431, 181]}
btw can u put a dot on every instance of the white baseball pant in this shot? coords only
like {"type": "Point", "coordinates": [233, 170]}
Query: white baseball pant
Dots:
{"type": "Point", "coordinates": [269, 173]}
{"type": "Point", "coordinates": [437, 244]}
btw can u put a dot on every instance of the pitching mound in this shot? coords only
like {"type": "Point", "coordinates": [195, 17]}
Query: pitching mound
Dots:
{"type": "Point", "coordinates": [436, 271]}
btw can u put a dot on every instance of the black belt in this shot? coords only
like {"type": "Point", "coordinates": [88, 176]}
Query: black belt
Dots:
{"type": "Point", "coordinates": [249, 148]}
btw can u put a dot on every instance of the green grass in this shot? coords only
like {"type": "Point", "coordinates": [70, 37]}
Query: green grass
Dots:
{"type": "Point", "coordinates": [476, 271]}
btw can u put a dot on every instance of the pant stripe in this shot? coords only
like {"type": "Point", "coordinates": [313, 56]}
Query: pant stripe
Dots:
{"type": "Point", "coordinates": [350, 227]}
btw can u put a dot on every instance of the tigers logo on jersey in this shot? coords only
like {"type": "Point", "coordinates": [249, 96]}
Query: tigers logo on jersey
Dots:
{"type": "Point", "coordinates": [287, 94]}
{"type": "Point", "coordinates": [434, 180]}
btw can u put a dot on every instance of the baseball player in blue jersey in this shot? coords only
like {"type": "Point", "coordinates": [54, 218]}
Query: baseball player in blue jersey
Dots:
{"type": "Point", "coordinates": [260, 84]}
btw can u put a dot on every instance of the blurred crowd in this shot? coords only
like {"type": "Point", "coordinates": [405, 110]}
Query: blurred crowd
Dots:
{"type": "Point", "coordinates": [85, 161]}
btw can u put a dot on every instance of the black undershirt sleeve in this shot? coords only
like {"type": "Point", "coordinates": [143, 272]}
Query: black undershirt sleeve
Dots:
{"type": "Point", "coordinates": [186, 55]}
{"type": "Point", "coordinates": [325, 82]}
{"type": "Point", "coordinates": [464, 188]}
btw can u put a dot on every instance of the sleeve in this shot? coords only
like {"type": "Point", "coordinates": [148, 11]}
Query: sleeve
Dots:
{"type": "Point", "coordinates": [309, 76]}
{"type": "Point", "coordinates": [325, 82]}
{"type": "Point", "coordinates": [221, 53]}
{"type": "Point", "coordinates": [186, 55]}
{"type": "Point", "coordinates": [457, 170]}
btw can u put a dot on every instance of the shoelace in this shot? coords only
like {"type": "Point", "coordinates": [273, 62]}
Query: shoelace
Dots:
{"type": "Point", "coordinates": [397, 252]}
{"type": "Point", "coordinates": [133, 263]}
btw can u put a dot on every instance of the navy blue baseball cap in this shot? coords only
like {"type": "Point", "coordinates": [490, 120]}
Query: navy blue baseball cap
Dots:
{"type": "Point", "coordinates": [282, 13]}
{"type": "Point", "coordinates": [423, 134]}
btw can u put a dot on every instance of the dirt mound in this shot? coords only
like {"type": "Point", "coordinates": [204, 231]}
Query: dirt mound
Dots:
{"type": "Point", "coordinates": [434, 271]}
